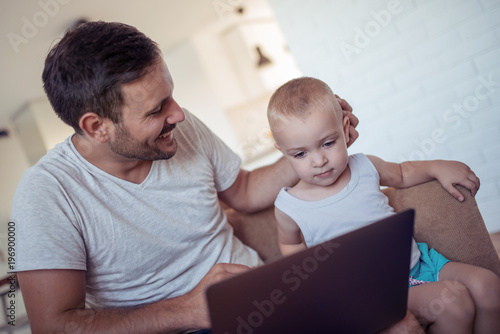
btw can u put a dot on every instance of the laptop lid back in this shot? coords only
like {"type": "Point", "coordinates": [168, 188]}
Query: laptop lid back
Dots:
{"type": "Point", "coordinates": [355, 283]}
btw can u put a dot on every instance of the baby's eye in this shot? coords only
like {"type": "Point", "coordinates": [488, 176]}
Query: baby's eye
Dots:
{"type": "Point", "coordinates": [329, 143]}
{"type": "Point", "coordinates": [299, 155]}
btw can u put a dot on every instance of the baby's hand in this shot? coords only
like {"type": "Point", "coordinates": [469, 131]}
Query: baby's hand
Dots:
{"type": "Point", "coordinates": [451, 173]}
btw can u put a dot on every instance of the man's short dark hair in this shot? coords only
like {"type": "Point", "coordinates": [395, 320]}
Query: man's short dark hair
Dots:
{"type": "Point", "coordinates": [85, 70]}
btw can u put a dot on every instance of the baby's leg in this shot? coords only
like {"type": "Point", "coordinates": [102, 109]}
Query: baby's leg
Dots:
{"type": "Point", "coordinates": [444, 306]}
{"type": "Point", "coordinates": [484, 288]}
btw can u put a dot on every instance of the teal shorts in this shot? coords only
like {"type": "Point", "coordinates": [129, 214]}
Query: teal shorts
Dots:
{"type": "Point", "coordinates": [427, 268]}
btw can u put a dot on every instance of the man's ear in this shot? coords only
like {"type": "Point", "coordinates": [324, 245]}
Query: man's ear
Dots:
{"type": "Point", "coordinates": [95, 127]}
{"type": "Point", "coordinates": [346, 124]}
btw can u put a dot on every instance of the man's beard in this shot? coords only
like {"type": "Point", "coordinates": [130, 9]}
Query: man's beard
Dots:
{"type": "Point", "coordinates": [126, 146]}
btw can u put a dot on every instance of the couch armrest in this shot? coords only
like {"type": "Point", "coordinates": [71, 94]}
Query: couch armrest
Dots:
{"type": "Point", "coordinates": [455, 229]}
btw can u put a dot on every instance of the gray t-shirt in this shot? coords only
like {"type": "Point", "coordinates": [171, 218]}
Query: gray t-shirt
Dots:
{"type": "Point", "coordinates": [138, 243]}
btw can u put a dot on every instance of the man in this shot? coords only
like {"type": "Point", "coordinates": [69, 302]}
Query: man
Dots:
{"type": "Point", "coordinates": [119, 228]}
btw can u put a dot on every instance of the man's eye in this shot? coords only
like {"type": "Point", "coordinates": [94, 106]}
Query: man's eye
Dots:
{"type": "Point", "coordinates": [299, 155]}
{"type": "Point", "coordinates": [157, 111]}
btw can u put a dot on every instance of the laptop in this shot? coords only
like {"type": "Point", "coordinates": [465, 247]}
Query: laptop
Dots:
{"type": "Point", "coordinates": [355, 283]}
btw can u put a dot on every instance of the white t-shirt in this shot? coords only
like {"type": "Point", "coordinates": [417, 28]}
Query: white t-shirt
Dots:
{"type": "Point", "coordinates": [138, 243]}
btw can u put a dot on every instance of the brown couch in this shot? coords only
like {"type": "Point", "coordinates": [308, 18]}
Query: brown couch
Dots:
{"type": "Point", "coordinates": [455, 229]}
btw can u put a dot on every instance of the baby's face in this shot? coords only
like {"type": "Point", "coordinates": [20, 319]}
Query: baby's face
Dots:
{"type": "Point", "coordinates": [315, 147]}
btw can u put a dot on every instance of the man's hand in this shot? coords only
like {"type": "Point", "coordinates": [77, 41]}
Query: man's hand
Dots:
{"type": "Point", "coordinates": [451, 173]}
{"type": "Point", "coordinates": [409, 325]}
{"type": "Point", "coordinates": [55, 302]}
{"type": "Point", "coordinates": [196, 298]}
{"type": "Point", "coordinates": [347, 111]}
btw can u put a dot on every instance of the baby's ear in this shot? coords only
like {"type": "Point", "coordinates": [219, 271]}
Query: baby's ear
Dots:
{"type": "Point", "coordinates": [347, 124]}
{"type": "Point", "coordinates": [277, 146]}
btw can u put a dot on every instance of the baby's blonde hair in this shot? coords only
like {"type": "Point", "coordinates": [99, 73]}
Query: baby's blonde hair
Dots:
{"type": "Point", "coordinates": [299, 98]}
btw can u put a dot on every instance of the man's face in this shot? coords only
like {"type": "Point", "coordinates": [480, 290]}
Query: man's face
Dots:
{"type": "Point", "coordinates": [149, 115]}
{"type": "Point", "coordinates": [315, 147]}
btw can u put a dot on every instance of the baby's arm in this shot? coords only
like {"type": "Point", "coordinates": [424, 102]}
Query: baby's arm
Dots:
{"type": "Point", "coordinates": [289, 236]}
{"type": "Point", "coordinates": [410, 173]}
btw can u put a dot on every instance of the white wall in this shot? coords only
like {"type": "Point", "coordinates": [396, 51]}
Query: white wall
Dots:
{"type": "Point", "coordinates": [14, 163]}
{"type": "Point", "coordinates": [422, 76]}
{"type": "Point", "coordinates": [192, 90]}
{"type": "Point", "coordinates": [216, 77]}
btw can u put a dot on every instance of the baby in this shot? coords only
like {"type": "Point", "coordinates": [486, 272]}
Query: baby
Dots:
{"type": "Point", "coordinates": [338, 193]}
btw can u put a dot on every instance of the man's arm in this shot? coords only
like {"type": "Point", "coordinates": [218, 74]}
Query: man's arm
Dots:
{"type": "Point", "coordinates": [256, 190]}
{"type": "Point", "coordinates": [55, 303]}
{"type": "Point", "coordinates": [410, 173]}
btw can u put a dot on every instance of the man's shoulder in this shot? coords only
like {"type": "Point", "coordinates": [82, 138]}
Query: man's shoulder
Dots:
{"type": "Point", "coordinates": [57, 163]}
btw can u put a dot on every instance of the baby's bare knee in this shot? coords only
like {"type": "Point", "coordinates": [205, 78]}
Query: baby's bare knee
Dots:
{"type": "Point", "coordinates": [486, 292]}
{"type": "Point", "coordinates": [458, 303]}
{"type": "Point", "coordinates": [453, 304]}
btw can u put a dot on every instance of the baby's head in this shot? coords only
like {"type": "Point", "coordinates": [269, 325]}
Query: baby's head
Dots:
{"type": "Point", "coordinates": [310, 130]}
{"type": "Point", "coordinates": [298, 99]}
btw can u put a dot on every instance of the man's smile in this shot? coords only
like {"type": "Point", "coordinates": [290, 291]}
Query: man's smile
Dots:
{"type": "Point", "coordinates": [167, 134]}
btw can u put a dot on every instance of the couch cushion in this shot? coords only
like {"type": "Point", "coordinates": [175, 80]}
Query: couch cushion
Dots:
{"type": "Point", "coordinates": [455, 229]}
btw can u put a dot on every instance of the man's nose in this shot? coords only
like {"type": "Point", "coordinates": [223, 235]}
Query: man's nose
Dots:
{"type": "Point", "coordinates": [175, 114]}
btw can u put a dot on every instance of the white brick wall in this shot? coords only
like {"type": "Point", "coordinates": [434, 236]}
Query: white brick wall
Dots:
{"type": "Point", "coordinates": [420, 70]}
